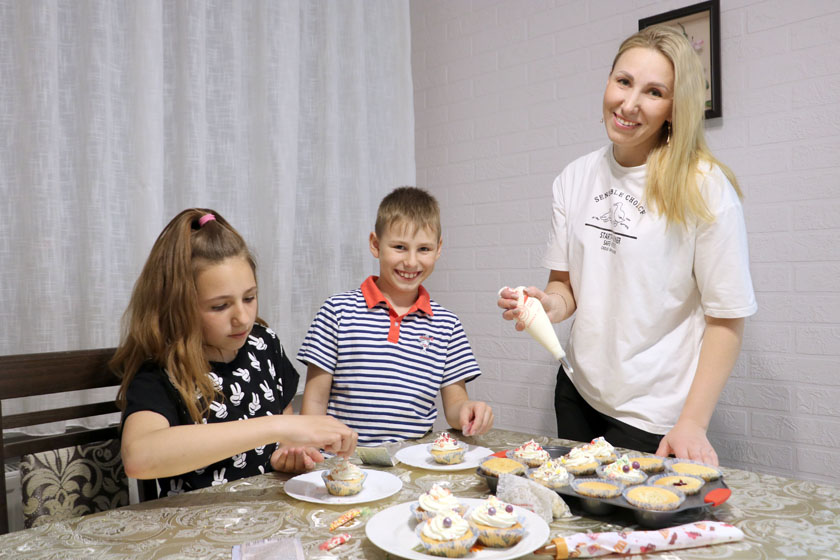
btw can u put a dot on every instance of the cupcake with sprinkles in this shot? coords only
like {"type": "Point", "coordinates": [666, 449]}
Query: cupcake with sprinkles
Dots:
{"type": "Point", "coordinates": [601, 450]}
{"type": "Point", "coordinates": [446, 534]}
{"type": "Point", "coordinates": [496, 523]}
{"type": "Point", "coordinates": [551, 475]}
{"type": "Point", "coordinates": [446, 450]}
{"type": "Point", "coordinates": [438, 499]}
{"type": "Point", "coordinates": [579, 462]}
{"type": "Point", "coordinates": [531, 453]}
{"type": "Point", "coordinates": [623, 470]}
{"type": "Point", "coordinates": [346, 479]}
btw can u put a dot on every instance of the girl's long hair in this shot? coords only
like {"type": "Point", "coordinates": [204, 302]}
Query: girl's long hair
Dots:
{"type": "Point", "coordinates": [673, 168]}
{"type": "Point", "coordinates": [162, 324]}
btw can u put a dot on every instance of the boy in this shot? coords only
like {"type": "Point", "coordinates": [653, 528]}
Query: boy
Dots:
{"type": "Point", "coordinates": [377, 356]}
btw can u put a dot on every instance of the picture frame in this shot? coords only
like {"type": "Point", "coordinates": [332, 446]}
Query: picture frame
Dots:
{"type": "Point", "coordinates": [700, 24]}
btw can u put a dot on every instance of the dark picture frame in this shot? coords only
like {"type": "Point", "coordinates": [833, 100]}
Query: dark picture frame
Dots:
{"type": "Point", "coordinates": [700, 23]}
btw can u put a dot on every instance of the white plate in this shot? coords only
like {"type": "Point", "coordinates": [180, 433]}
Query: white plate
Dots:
{"type": "Point", "coordinates": [418, 456]}
{"type": "Point", "coordinates": [309, 487]}
{"type": "Point", "coordinates": [392, 530]}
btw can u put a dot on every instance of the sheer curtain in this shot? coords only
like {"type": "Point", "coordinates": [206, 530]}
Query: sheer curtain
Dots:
{"type": "Point", "coordinates": [290, 118]}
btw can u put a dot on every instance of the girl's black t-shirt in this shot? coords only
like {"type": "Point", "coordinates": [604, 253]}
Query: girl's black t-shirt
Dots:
{"type": "Point", "coordinates": [260, 381]}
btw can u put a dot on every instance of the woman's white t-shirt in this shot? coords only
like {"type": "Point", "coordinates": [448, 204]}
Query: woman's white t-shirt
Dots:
{"type": "Point", "coordinates": [642, 287]}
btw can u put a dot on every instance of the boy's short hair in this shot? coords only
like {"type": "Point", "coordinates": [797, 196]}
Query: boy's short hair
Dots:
{"type": "Point", "coordinates": [412, 205]}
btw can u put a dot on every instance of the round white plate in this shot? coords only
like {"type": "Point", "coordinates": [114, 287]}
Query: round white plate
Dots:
{"type": "Point", "coordinates": [309, 487]}
{"type": "Point", "coordinates": [418, 456]}
{"type": "Point", "coordinates": [392, 530]}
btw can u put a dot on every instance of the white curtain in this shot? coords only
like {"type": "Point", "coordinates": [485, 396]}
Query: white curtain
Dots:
{"type": "Point", "coordinates": [292, 118]}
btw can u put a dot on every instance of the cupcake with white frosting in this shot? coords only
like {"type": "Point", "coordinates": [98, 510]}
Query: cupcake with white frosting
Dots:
{"type": "Point", "coordinates": [496, 524]}
{"type": "Point", "coordinates": [601, 450]}
{"type": "Point", "coordinates": [531, 453]}
{"type": "Point", "coordinates": [551, 475]}
{"type": "Point", "coordinates": [345, 479]}
{"type": "Point", "coordinates": [437, 500]}
{"type": "Point", "coordinates": [624, 470]}
{"type": "Point", "coordinates": [446, 534]}
{"type": "Point", "coordinates": [446, 450]}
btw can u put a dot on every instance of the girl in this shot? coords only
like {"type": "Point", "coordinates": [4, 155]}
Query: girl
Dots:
{"type": "Point", "coordinates": [648, 245]}
{"type": "Point", "coordinates": [195, 359]}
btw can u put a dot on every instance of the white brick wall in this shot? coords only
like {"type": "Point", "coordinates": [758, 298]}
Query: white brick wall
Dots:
{"type": "Point", "coordinates": [508, 92]}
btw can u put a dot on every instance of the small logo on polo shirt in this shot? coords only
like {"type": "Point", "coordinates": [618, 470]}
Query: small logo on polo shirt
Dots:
{"type": "Point", "coordinates": [425, 341]}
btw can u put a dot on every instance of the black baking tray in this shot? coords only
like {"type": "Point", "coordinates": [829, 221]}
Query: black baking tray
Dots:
{"type": "Point", "coordinates": [693, 508]}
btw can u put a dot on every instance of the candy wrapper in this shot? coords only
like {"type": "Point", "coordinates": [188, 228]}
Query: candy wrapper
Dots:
{"type": "Point", "coordinates": [269, 549]}
{"type": "Point", "coordinates": [590, 545]}
{"type": "Point", "coordinates": [348, 516]}
{"type": "Point", "coordinates": [333, 542]}
{"type": "Point", "coordinates": [532, 496]}
{"type": "Point", "coordinates": [538, 325]}
{"type": "Point", "coordinates": [376, 456]}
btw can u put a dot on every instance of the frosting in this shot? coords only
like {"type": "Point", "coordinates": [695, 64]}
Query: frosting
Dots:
{"type": "Point", "coordinates": [578, 457]}
{"type": "Point", "coordinates": [445, 526]}
{"type": "Point", "coordinates": [438, 499]}
{"type": "Point", "coordinates": [623, 469]}
{"type": "Point", "coordinates": [494, 513]}
{"type": "Point", "coordinates": [531, 450]}
{"type": "Point", "coordinates": [445, 442]}
{"type": "Point", "coordinates": [346, 470]}
{"type": "Point", "coordinates": [552, 472]}
{"type": "Point", "coordinates": [600, 448]}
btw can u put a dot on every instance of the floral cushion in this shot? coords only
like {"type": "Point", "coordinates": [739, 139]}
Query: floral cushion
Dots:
{"type": "Point", "coordinates": [72, 481]}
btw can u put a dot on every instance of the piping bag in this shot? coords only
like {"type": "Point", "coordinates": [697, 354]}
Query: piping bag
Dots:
{"type": "Point", "coordinates": [690, 535]}
{"type": "Point", "coordinates": [538, 325]}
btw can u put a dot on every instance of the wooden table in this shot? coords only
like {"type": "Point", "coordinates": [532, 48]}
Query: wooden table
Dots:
{"type": "Point", "coordinates": [781, 518]}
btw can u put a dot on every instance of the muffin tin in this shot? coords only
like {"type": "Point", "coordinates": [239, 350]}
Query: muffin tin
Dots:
{"type": "Point", "coordinates": [713, 493]}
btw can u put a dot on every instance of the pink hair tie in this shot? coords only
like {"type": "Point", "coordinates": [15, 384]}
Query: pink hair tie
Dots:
{"type": "Point", "coordinates": [205, 218]}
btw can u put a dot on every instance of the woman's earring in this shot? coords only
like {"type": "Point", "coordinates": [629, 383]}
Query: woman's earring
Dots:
{"type": "Point", "coordinates": [602, 119]}
{"type": "Point", "coordinates": [668, 139]}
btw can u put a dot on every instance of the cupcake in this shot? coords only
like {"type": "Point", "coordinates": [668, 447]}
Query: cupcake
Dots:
{"type": "Point", "coordinates": [601, 450]}
{"type": "Point", "coordinates": [436, 500]}
{"type": "Point", "coordinates": [345, 479]}
{"type": "Point", "coordinates": [446, 450]}
{"type": "Point", "coordinates": [579, 462]}
{"type": "Point", "coordinates": [650, 465]}
{"type": "Point", "coordinates": [551, 475]}
{"type": "Point", "coordinates": [530, 453]}
{"type": "Point", "coordinates": [687, 484]}
{"type": "Point", "coordinates": [656, 498]}
{"type": "Point", "coordinates": [446, 534]}
{"type": "Point", "coordinates": [623, 470]}
{"type": "Point", "coordinates": [495, 523]}
{"type": "Point", "coordinates": [693, 468]}
{"type": "Point", "coordinates": [497, 466]}
{"type": "Point", "coordinates": [597, 488]}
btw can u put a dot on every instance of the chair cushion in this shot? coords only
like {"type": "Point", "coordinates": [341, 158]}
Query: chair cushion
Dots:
{"type": "Point", "coordinates": [73, 481]}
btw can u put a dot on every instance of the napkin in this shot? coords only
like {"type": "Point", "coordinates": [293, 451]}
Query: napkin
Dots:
{"type": "Point", "coordinates": [532, 496]}
{"type": "Point", "coordinates": [590, 545]}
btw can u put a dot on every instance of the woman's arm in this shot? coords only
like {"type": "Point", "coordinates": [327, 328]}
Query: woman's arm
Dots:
{"type": "Point", "coordinates": [151, 448]}
{"type": "Point", "coordinates": [471, 417]}
{"type": "Point", "coordinates": [558, 300]}
{"type": "Point", "coordinates": [720, 347]}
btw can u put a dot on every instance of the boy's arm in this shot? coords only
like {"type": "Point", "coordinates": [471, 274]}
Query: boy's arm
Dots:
{"type": "Point", "coordinates": [471, 417]}
{"type": "Point", "coordinates": [316, 394]}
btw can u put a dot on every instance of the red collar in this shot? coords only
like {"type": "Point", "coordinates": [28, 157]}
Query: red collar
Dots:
{"type": "Point", "coordinates": [373, 297]}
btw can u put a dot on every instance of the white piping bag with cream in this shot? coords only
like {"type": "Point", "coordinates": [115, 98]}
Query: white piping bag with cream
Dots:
{"type": "Point", "coordinates": [538, 325]}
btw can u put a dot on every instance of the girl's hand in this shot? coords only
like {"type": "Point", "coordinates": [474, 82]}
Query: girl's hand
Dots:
{"type": "Point", "coordinates": [688, 441]}
{"type": "Point", "coordinates": [507, 301]}
{"type": "Point", "coordinates": [322, 432]}
{"type": "Point", "coordinates": [554, 305]}
{"type": "Point", "coordinates": [295, 460]}
{"type": "Point", "coordinates": [476, 418]}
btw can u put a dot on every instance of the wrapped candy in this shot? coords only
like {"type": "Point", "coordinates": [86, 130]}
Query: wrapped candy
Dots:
{"type": "Point", "coordinates": [333, 542]}
{"type": "Point", "coordinates": [347, 517]}
{"type": "Point", "coordinates": [690, 535]}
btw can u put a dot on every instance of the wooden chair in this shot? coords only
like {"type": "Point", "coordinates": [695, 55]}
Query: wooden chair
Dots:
{"type": "Point", "coordinates": [28, 375]}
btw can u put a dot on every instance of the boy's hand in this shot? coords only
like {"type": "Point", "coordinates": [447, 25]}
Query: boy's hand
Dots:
{"type": "Point", "coordinates": [295, 460]}
{"type": "Point", "coordinates": [476, 418]}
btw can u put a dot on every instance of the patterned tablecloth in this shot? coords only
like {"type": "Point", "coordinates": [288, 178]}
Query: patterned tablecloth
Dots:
{"type": "Point", "coordinates": [781, 518]}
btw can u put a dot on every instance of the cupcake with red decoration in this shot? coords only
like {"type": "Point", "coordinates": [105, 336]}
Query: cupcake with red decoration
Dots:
{"type": "Point", "coordinates": [530, 453]}
{"type": "Point", "coordinates": [438, 499]}
{"type": "Point", "coordinates": [446, 450]}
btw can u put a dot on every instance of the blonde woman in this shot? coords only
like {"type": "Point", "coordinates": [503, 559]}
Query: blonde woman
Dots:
{"type": "Point", "coordinates": [648, 249]}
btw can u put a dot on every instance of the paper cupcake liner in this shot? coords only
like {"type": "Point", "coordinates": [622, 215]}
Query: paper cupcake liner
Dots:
{"type": "Point", "coordinates": [343, 487]}
{"type": "Point", "coordinates": [651, 497]}
{"type": "Point", "coordinates": [582, 487]}
{"type": "Point", "coordinates": [693, 468]}
{"type": "Point", "coordinates": [449, 549]}
{"type": "Point", "coordinates": [499, 537]}
{"type": "Point", "coordinates": [452, 457]}
{"type": "Point", "coordinates": [635, 476]}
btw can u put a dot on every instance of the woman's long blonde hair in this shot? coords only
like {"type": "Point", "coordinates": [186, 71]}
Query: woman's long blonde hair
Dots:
{"type": "Point", "coordinates": [672, 166]}
{"type": "Point", "coordinates": [162, 322]}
